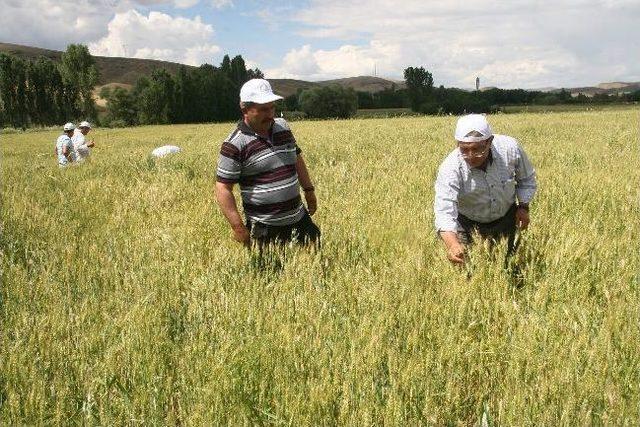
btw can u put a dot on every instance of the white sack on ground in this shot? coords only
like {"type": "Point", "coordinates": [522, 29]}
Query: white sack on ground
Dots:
{"type": "Point", "coordinates": [165, 150]}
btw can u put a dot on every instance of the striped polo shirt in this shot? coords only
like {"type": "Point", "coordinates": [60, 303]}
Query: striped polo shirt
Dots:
{"type": "Point", "coordinates": [265, 168]}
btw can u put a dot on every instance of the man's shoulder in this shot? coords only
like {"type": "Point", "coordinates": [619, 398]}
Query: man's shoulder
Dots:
{"type": "Point", "coordinates": [504, 141]}
{"type": "Point", "coordinates": [63, 138]}
{"type": "Point", "coordinates": [452, 159]}
{"type": "Point", "coordinates": [280, 125]}
{"type": "Point", "coordinates": [237, 137]}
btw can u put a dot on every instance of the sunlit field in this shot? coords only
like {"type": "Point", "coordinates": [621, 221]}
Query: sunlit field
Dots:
{"type": "Point", "coordinates": [124, 300]}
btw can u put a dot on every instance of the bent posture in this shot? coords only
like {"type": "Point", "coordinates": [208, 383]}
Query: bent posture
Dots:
{"type": "Point", "coordinates": [484, 185]}
{"type": "Point", "coordinates": [262, 155]}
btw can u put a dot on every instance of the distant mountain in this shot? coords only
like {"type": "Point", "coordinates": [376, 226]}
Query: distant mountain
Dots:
{"type": "Point", "coordinates": [126, 71]}
{"type": "Point", "coordinates": [608, 88]}
{"type": "Point", "coordinates": [112, 69]}
{"type": "Point", "coordinates": [115, 71]}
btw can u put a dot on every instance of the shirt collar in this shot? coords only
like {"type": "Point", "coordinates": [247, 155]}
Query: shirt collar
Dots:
{"type": "Point", "coordinates": [246, 129]}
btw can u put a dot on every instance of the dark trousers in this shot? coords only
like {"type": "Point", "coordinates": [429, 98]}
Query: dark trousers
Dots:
{"type": "Point", "coordinates": [304, 232]}
{"type": "Point", "coordinates": [501, 228]}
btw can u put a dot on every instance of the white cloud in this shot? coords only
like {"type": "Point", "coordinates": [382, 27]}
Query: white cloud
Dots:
{"type": "Point", "coordinates": [508, 44]}
{"type": "Point", "coordinates": [185, 4]}
{"type": "Point", "coordinates": [221, 4]}
{"type": "Point", "coordinates": [157, 36]}
{"type": "Point", "coordinates": [52, 24]}
{"type": "Point", "coordinates": [347, 61]}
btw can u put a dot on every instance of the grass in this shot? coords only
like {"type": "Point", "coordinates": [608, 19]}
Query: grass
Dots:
{"type": "Point", "coordinates": [383, 113]}
{"type": "Point", "coordinates": [124, 300]}
{"type": "Point", "coordinates": [560, 108]}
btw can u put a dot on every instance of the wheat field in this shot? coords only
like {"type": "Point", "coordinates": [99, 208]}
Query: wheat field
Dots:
{"type": "Point", "coordinates": [124, 300]}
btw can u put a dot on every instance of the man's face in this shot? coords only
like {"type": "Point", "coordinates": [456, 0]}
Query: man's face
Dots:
{"type": "Point", "coordinates": [475, 153]}
{"type": "Point", "coordinates": [69, 133]}
{"type": "Point", "coordinates": [260, 116]}
{"type": "Point", "coordinates": [85, 130]}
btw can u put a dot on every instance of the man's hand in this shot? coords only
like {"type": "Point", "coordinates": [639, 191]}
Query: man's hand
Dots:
{"type": "Point", "coordinates": [455, 253]}
{"type": "Point", "coordinates": [241, 235]}
{"type": "Point", "coordinates": [455, 249]}
{"type": "Point", "coordinates": [522, 218]}
{"type": "Point", "coordinates": [312, 202]}
{"type": "Point", "coordinates": [90, 143]}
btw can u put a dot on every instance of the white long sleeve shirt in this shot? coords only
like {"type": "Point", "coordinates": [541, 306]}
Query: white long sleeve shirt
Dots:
{"type": "Point", "coordinates": [82, 152]}
{"type": "Point", "coordinates": [483, 196]}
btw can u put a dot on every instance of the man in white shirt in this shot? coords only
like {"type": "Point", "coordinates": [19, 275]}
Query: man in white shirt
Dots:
{"type": "Point", "coordinates": [484, 185]}
{"type": "Point", "coordinates": [81, 145]}
{"type": "Point", "coordinates": [64, 146]}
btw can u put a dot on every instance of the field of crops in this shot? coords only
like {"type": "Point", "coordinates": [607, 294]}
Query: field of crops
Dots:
{"type": "Point", "coordinates": [124, 301]}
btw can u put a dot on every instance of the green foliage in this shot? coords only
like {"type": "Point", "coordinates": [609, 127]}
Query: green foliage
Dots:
{"type": "Point", "coordinates": [419, 86]}
{"type": "Point", "coordinates": [329, 102]}
{"type": "Point", "coordinates": [123, 108]}
{"type": "Point", "coordinates": [13, 90]}
{"type": "Point", "coordinates": [80, 74]}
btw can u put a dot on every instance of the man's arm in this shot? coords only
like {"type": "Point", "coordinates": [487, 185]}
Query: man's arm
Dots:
{"type": "Point", "coordinates": [227, 203]}
{"type": "Point", "coordinates": [446, 212]}
{"type": "Point", "coordinates": [307, 185]}
{"type": "Point", "coordinates": [455, 249]}
{"type": "Point", "coordinates": [525, 188]}
{"type": "Point", "coordinates": [66, 152]}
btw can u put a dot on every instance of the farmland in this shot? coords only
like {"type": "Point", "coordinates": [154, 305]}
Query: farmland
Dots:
{"type": "Point", "coordinates": [123, 299]}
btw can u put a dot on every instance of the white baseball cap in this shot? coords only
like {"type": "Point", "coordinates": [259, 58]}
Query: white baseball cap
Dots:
{"type": "Point", "coordinates": [84, 124]}
{"type": "Point", "coordinates": [258, 91]}
{"type": "Point", "coordinates": [470, 126]}
{"type": "Point", "coordinates": [69, 126]}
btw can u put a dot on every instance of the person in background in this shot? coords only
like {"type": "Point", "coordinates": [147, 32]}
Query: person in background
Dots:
{"type": "Point", "coordinates": [262, 155]}
{"type": "Point", "coordinates": [485, 184]}
{"type": "Point", "coordinates": [64, 146]}
{"type": "Point", "coordinates": [81, 145]}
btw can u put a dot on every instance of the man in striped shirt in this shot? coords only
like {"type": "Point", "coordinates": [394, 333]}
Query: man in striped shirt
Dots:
{"type": "Point", "coordinates": [262, 156]}
{"type": "Point", "coordinates": [484, 185]}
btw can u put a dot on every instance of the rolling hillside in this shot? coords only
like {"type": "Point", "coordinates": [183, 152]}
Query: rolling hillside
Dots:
{"type": "Point", "coordinates": [125, 71]}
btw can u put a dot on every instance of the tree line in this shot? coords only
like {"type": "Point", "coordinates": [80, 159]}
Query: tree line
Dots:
{"type": "Point", "coordinates": [194, 95]}
{"type": "Point", "coordinates": [45, 93]}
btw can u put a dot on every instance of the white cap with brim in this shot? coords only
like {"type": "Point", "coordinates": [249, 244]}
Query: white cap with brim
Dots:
{"type": "Point", "coordinates": [69, 126]}
{"type": "Point", "coordinates": [258, 91]}
{"type": "Point", "coordinates": [84, 124]}
{"type": "Point", "coordinates": [473, 128]}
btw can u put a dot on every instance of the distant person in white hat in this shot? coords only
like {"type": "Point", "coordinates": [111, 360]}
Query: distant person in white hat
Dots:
{"type": "Point", "coordinates": [81, 145]}
{"type": "Point", "coordinates": [64, 146]}
{"type": "Point", "coordinates": [262, 155]}
{"type": "Point", "coordinates": [485, 184]}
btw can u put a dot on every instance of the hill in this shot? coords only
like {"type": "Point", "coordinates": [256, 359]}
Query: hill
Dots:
{"type": "Point", "coordinates": [126, 71]}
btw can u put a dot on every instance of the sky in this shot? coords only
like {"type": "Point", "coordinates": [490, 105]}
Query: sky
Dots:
{"type": "Point", "coordinates": [509, 44]}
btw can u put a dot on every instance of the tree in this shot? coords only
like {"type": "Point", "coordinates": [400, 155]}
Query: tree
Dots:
{"type": "Point", "coordinates": [238, 71]}
{"type": "Point", "coordinates": [43, 88]}
{"type": "Point", "coordinates": [80, 74]}
{"type": "Point", "coordinates": [329, 102]}
{"type": "Point", "coordinates": [121, 106]}
{"type": "Point", "coordinates": [255, 74]}
{"type": "Point", "coordinates": [157, 99]}
{"type": "Point", "coordinates": [13, 90]}
{"type": "Point", "coordinates": [419, 86]}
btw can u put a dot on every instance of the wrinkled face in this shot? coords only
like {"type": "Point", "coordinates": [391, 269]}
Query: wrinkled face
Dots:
{"type": "Point", "coordinates": [475, 153]}
{"type": "Point", "coordinates": [259, 116]}
{"type": "Point", "coordinates": [85, 130]}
